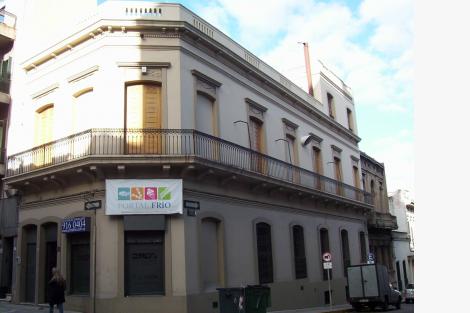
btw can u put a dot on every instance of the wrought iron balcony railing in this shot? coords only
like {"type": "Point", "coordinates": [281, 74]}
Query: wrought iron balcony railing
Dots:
{"type": "Point", "coordinates": [174, 142]}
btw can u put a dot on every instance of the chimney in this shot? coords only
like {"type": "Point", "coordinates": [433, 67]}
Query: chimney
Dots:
{"type": "Point", "coordinates": [307, 65]}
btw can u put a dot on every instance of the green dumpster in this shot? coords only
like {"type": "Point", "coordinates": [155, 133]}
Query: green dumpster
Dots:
{"type": "Point", "coordinates": [250, 299]}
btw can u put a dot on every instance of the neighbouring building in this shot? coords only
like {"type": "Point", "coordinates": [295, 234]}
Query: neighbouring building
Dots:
{"type": "Point", "coordinates": [402, 206]}
{"type": "Point", "coordinates": [137, 96]}
{"type": "Point", "coordinates": [8, 201]}
{"type": "Point", "coordinates": [380, 222]}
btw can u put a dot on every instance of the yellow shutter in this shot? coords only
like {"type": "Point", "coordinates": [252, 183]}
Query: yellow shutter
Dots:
{"type": "Point", "coordinates": [144, 112]}
{"type": "Point", "coordinates": [152, 107]}
{"type": "Point", "coordinates": [44, 126]}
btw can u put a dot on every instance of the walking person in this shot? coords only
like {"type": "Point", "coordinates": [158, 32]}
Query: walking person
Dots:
{"type": "Point", "coordinates": [55, 291]}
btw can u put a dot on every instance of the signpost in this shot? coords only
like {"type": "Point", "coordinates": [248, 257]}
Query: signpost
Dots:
{"type": "Point", "coordinates": [191, 206]}
{"type": "Point", "coordinates": [370, 258]}
{"type": "Point", "coordinates": [328, 265]}
{"type": "Point", "coordinates": [92, 205]}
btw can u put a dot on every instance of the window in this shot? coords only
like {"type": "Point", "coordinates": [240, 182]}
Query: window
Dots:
{"type": "Point", "coordinates": [381, 195]}
{"type": "Point", "coordinates": [144, 263]}
{"type": "Point", "coordinates": [325, 247]}
{"type": "Point", "coordinates": [338, 175]}
{"type": "Point", "coordinates": [256, 127]}
{"type": "Point", "coordinates": [317, 161]}
{"type": "Point", "coordinates": [400, 287]}
{"type": "Point", "coordinates": [317, 167]}
{"type": "Point", "coordinates": [265, 258]}
{"type": "Point", "coordinates": [143, 111]}
{"type": "Point", "coordinates": [290, 156]}
{"type": "Point", "coordinates": [331, 105]}
{"type": "Point", "coordinates": [82, 107]}
{"type": "Point", "coordinates": [345, 248]}
{"type": "Point", "coordinates": [362, 239]}
{"type": "Point", "coordinates": [44, 124]}
{"type": "Point", "coordinates": [372, 191]}
{"type": "Point", "coordinates": [211, 254]}
{"type": "Point", "coordinates": [356, 177]}
{"type": "Point", "coordinates": [405, 276]}
{"type": "Point", "coordinates": [300, 260]}
{"type": "Point", "coordinates": [205, 113]}
{"type": "Point", "coordinates": [79, 263]}
{"type": "Point", "coordinates": [350, 119]}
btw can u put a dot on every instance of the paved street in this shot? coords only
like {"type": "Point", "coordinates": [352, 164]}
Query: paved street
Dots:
{"type": "Point", "coordinates": [405, 308]}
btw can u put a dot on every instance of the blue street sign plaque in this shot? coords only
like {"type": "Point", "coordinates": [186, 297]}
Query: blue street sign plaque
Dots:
{"type": "Point", "coordinates": [76, 225]}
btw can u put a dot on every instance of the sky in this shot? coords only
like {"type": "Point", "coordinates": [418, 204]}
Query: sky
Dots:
{"type": "Point", "coordinates": [368, 43]}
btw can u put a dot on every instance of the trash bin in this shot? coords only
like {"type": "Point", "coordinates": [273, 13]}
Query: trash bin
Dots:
{"type": "Point", "coordinates": [258, 298]}
{"type": "Point", "coordinates": [250, 299]}
{"type": "Point", "coordinates": [231, 300]}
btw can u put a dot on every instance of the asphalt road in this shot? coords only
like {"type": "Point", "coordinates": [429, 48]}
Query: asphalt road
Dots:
{"type": "Point", "coordinates": [405, 308]}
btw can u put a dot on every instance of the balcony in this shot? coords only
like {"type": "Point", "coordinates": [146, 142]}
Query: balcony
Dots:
{"type": "Point", "coordinates": [177, 146]}
{"type": "Point", "coordinates": [7, 30]}
{"type": "Point", "coordinates": [383, 220]}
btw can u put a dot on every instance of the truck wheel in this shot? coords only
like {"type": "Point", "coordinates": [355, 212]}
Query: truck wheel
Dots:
{"type": "Point", "coordinates": [385, 304]}
{"type": "Point", "coordinates": [357, 307]}
{"type": "Point", "coordinates": [398, 304]}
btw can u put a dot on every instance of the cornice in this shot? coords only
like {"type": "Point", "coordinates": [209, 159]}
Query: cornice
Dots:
{"type": "Point", "coordinates": [247, 64]}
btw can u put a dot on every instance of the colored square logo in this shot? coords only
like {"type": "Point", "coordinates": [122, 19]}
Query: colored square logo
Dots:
{"type": "Point", "coordinates": [137, 193]}
{"type": "Point", "coordinates": [164, 193]}
{"type": "Point", "coordinates": [124, 193]}
{"type": "Point", "coordinates": [150, 193]}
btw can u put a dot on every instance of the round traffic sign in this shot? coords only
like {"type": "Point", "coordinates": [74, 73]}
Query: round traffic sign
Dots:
{"type": "Point", "coordinates": [326, 257]}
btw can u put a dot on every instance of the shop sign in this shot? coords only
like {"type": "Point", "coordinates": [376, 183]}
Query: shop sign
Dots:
{"type": "Point", "coordinates": [144, 196]}
{"type": "Point", "coordinates": [76, 225]}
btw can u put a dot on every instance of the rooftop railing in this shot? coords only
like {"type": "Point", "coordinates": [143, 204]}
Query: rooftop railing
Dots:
{"type": "Point", "coordinates": [166, 143]}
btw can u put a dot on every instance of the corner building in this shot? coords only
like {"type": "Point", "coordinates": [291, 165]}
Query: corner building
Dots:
{"type": "Point", "coordinates": [143, 90]}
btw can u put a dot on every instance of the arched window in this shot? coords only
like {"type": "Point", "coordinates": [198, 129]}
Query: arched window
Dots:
{"type": "Point", "coordinates": [264, 249]}
{"type": "Point", "coordinates": [211, 254]}
{"type": "Point", "coordinates": [44, 124]}
{"type": "Point", "coordinates": [300, 260]}
{"type": "Point", "coordinates": [325, 247]}
{"type": "Point", "coordinates": [81, 111]}
{"type": "Point", "coordinates": [345, 248]}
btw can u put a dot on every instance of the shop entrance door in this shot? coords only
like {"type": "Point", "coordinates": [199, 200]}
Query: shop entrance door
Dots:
{"type": "Point", "coordinates": [30, 272]}
{"type": "Point", "coordinates": [51, 261]}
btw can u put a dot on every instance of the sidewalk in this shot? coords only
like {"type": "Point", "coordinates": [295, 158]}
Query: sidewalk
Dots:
{"type": "Point", "coordinates": [7, 307]}
{"type": "Point", "coordinates": [336, 309]}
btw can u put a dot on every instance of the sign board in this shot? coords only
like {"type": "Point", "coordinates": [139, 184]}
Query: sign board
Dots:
{"type": "Point", "coordinates": [327, 265]}
{"type": "Point", "coordinates": [370, 258]}
{"type": "Point", "coordinates": [190, 204]}
{"type": "Point", "coordinates": [76, 225]}
{"type": "Point", "coordinates": [326, 257]}
{"type": "Point", "coordinates": [144, 196]}
{"type": "Point", "coordinates": [93, 205]}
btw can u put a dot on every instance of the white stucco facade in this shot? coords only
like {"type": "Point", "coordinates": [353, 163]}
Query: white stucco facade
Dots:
{"type": "Point", "coordinates": [402, 206]}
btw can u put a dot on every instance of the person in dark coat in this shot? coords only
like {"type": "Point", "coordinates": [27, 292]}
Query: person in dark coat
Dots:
{"type": "Point", "coordinates": [55, 291]}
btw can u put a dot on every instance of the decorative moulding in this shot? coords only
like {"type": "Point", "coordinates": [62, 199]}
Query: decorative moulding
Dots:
{"type": "Point", "coordinates": [289, 123]}
{"type": "Point", "coordinates": [206, 78]}
{"type": "Point", "coordinates": [144, 64]}
{"type": "Point", "coordinates": [83, 74]}
{"type": "Point", "coordinates": [337, 149]}
{"type": "Point", "coordinates": [45, 91]}
{"type": "Point", "coordinates": [256, 105]}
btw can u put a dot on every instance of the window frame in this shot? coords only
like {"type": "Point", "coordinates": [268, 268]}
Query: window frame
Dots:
{"type": "Point", "coordinates": [267, 254]}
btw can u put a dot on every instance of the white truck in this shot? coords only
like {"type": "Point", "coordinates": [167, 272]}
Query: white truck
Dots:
{"type": "Point", "coordinates": [369, 286]}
